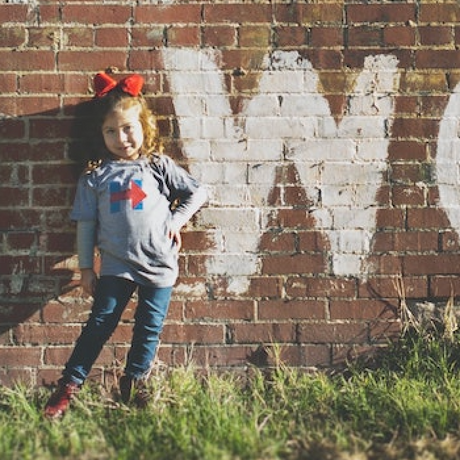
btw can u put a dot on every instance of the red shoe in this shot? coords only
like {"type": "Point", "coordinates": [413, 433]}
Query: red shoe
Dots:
{"type": "Point", "coordinates": [59, 401]}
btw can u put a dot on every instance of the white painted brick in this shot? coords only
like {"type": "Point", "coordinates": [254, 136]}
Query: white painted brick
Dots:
{"type": "Point", "coordinates": [346, 218]}
{"type": "Point", "coordinates": [351, 241]}
{"type": "Point", "coordinates": [319, 149]}
{"type": "Point", "coordinates": [198, 149]}
{"type": "Point", "coordinates": [361, 127]}
{"type": "Point", "coordinates": [260, 193]}
{"type": "Point", "coordinates": [262, 173]}
{"type": "Point", "coordinates": [233, 195]}
{"type": "Point", "coordinates": [241, 219]}
{"type": "Point", "coordinates": [344, 264]}
{"type": "Point", "coordinates": [266, 105]}
{"type": "Point", "coordinates": [189, 128]}
{"type": "Point", "coordinates": [337, 195]}
{"type": "Point", "coordinates": [280, 127]}
{"type": "Point", "coordinates": [231, 264]}
{"type": "Point", "coordinates": [282, 82]}
{"type": "Point", "coordinates": [370, 104]}
{"type": "Point", "coordinates": [264, 150]}
{"type": "Point", "coordinates": [370, 150]}
{"type": "Point", "coordinates": [212, 128]}
{"type": "Point", "coordinates": [239, 242]}
{"type": "Point", "coordinates": [228, 150]}
{"type": "Point", "coordinates": [353, 173]}
{"type": "Point", "coordinates": [306, 105]}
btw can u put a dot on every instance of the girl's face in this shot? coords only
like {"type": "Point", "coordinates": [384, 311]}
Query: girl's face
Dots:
{"type": "Point", "coordinates": [122, 132]}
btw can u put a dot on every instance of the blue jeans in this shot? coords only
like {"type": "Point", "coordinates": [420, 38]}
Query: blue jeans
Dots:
{"type": "Point", "coordinates": [110, 299]}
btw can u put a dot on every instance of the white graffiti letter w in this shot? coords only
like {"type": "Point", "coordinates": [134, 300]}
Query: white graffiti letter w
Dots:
{"type": "Point", "coordinates": [340, 165]}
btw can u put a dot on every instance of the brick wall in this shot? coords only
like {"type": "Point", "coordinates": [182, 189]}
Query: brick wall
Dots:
{"type": "Point", "coordinates": [326, 133]}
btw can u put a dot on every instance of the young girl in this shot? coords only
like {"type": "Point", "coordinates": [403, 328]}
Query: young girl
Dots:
{"type": "Point", "coordinates": [132, 203]}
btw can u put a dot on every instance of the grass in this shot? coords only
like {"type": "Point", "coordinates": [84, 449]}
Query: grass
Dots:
{"type": "Point", "coordinates": [402, 404]}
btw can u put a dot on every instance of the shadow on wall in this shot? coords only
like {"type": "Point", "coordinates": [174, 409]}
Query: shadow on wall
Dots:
{"type": "Point", "coordinates": [38, 176]}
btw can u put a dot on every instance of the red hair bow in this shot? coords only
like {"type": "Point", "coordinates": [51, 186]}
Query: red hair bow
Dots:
{"type": "Point", "coordinates": [103, 83]}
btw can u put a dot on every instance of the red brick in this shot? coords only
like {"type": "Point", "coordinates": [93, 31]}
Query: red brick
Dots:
{"type": "Point", "coordinates": [46, 334]}
{"type": "Point", "coordinates": [50, 128]}
{"type": "Point", "coordinates": [93, 61]}
{"type": "Point", "coordinates": [361, 309]}
{"type": "Point", "coordinates": [449, 241]}
{"type": "Point", "coordinates": [30, 60]}
{"type": "Point", "coordinates": [266, 286]}
{"type": "Point", "coordinates": [20, 356]}
{"type": "Point", "coordinates": [19, 265]}
{"type": "Point", "coordinates": [147, 36]}
{"type": "Point", "coordinates": [406, 104]}
{"type": "Point", "coordinates": [78, 36]}
{"type": "Point", "coordinates": [297, 263]}
{"type": "Point", "coordinates": [439, 13]}
{"type": "Point", "coordinates": [291, 309]}
{"type": "Point", "coordinates": [333, 332]}
{"type": "Point", "coordinates": [254, 36]}
{"type": "Point", "coordinates": [291, 35]}
{"type": "Point", "coordinates": [96, 14]}
{"type": "Point", "coordinates": [184, 36]}
{"type": "Point", "coordinates": [219, 35]}
{"type": "Point", "coordinates": [426, 218]}
{"type": "Point", "coordinates": [20, 218]}
{"type": "Point", "coordinates": [401, 36]}
{"type": "Point", "coordinates": [141, 60]}
{"type": "Point", "coordinates": [30, 105]}
{"type": "Point", "coordinates": [11, 129]}
{"type": "Point", "coordinates": [49, 13]}
{"type": "Point", "coordinates": [309, 14]}
{"type": "Point", "coordinates": [7, 83]}
{"type": "Point", "coordinates": [220, 310]}
{"type": "Point", "coordinates": [13, 13]}
{"type": "Point", "coordinates": [365, 36]}
{"type": "Point", "coordinates": [236, 13]}
{"type": "Point", "coordinates": [415, 128]}
{"type": "Point", "coordinates": [13, 196]}
{"type": "Point", "coordinates": [12, 36]}
{"type": "Point", "coordinates": [420, 241]}
{"type": "Point", "coordinates": [191, 333]}
{"type": "Point", "coordinates": [436, 264]}
{"type": "Point", "coordinates": [437, 59]}
{"type": "Point", "coordinates": [110, 37]}
{"type": "Point", "coordinates": [265, 333]}
{"type": "Point", "coordinates": [395, 13]}
{"type": "Point", "coordinates": [387, 287]}
{"type": "Point", "coordinates": [326, 37]}
{"type": "Point", "coordinates": [435, 35]}
{"type": "Point", "coordinates": [320, 287]}
{"type": "Point", "coordinates": [168, 14]}
{"type": "Point", "coordinates": [444, 286]}
{"type": "Point", "coordinates": [408, 196]}
{"type": "Point", "coordinates": [407, 150]}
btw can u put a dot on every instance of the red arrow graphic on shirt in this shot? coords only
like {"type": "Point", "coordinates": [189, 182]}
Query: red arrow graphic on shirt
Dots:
{"type": "Point", "coordinates": [135, 194]}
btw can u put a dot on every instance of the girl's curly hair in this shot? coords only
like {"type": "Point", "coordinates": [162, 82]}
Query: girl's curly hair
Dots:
{"type": "Point", "coordinates": [101, 107]}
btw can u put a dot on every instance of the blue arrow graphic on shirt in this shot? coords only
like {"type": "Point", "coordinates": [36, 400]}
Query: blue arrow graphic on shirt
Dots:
{"type": "Point", "coordinates": [135, 194]}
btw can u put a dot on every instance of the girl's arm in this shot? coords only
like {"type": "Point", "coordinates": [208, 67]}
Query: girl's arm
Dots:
{"type": "Point", "coordinates": [187, 207]}
{"type": "Point", "coordinates": [86, 240]}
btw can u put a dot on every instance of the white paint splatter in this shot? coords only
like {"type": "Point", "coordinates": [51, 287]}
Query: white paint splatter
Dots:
{"type": "Point", "coordinates": [340, 166]}
{"type": "Point", "coordinates": [448, 160]}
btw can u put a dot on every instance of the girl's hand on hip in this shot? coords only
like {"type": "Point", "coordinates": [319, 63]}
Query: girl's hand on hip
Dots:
{"type": "Point", "coordinates": [176, 238]}
{"type": "Point", "coordinates": [88, 280]}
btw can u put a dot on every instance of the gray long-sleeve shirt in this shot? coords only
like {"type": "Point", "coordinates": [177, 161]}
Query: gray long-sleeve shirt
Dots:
{"type": "Point", "coordinates": [131, 204]}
